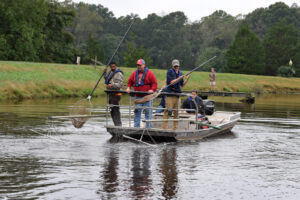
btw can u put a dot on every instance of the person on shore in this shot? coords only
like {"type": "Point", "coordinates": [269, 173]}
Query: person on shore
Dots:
{"type": "Point", "coordinates": [176, 78]}
{"type": "Point", "coordinates": [212, 79]}
{"type": "Point", "coordinates": [189, 103]}
{"type": "Point", "coordinates": [114, 80]}
{"type": "Point", "coordinates": [143, 80]}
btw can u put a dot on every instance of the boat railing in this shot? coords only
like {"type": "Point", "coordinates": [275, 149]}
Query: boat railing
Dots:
{"type": "Point", "coordinates": [154, 110]}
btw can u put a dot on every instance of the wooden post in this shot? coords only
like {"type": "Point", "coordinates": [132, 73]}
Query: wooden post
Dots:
{"type": "Point", "coordinates": [78, 60]}
{"type": "Point", "coordinates": [95, 62]}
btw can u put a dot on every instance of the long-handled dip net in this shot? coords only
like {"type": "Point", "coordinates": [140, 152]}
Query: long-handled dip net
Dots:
{"type": "Point", "coordinates": [82, 109]}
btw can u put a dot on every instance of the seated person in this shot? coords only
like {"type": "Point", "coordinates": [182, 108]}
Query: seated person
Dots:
{"type": "Point", "coordinates": [189, 103]}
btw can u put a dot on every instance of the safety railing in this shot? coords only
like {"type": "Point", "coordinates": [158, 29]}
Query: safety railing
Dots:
{"type": "Point", "coordinates": [131, 107]}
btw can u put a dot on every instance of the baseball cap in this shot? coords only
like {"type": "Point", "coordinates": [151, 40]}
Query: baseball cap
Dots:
{"type": "Point", "coordinates": [140, 62]}
{"type": "Point", "coordinates": [175, 63]}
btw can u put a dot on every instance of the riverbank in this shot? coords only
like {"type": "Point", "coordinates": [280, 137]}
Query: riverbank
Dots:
{"type": "Point", "coordinates": [25, 80]}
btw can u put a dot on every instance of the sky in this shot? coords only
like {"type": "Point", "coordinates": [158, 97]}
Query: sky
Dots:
{"type": "Point", "coordinates": [193, 9]}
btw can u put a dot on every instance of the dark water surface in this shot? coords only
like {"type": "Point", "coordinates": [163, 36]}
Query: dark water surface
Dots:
{"type": "Point", "coordinates": [41, 159]}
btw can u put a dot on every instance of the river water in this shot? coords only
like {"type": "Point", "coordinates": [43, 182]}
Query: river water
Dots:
{"type": "Point", "coordinates": [42, 159]}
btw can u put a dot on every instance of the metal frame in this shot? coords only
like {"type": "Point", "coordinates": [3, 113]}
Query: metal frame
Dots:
{"type": "Point", "coordinates": [153, 108]}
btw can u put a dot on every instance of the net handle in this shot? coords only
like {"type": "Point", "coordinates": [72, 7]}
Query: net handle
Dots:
{"type": "Point", "coordinates": [104, 72]}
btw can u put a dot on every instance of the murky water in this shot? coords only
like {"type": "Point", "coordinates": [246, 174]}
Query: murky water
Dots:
{"type": "Point", "coordinates": [41, 159]}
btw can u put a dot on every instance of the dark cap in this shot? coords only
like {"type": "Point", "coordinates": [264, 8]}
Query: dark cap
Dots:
{"type": "Point", "coordinates": [112, 62]}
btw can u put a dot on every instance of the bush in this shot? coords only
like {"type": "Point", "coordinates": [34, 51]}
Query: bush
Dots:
{"type": "Point", "coordinates": [286, 71]}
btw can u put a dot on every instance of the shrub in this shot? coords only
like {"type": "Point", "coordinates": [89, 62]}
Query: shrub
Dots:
{"type": "Point", "coordinates": [286, 71]}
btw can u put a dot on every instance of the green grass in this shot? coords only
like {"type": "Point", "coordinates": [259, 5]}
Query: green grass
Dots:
{"type": "Point", "coordinates": [24, 80]}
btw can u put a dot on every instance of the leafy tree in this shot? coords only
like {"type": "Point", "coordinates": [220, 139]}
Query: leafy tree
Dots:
{"type": "Point", "coordinates": [21, 28]}
{"type": "Point", "coordinates": [133, 54]}
{"type": "Point", "coordinates": [110, 43]}
{"type": "Point", "coordinates": [86, 22]}
{"type": "Point", "coordinates": [296, 61]}
{"type": "Point", "coordinates": [92, 49]}
{"type": "Point", "coordinates": [218, 29]}
{"type": "Point", "coordinates": [280, 46]}
{"type": "Point", "coordinates": [246, 54]}
{"type": "Point", "coordinates": [193, 35]}
{"type": "Point", "coordinates": [208, 53]}
{"type": "Point", "coordinates": [3, 48]}
{"type": "Point", "coordinates": [110, 23]}
{"type": "Point", "coordinates": [262, 19]}
{"type": "Point", "coordinates": [35, 30]}
{"type": "Point", "coordinates": [59, 43]}
{"type": "Point", "coordinates": [182, 52]}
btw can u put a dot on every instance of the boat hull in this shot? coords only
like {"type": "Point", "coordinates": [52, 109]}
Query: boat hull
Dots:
{"type": "Point", "coordinates": [170, 135]}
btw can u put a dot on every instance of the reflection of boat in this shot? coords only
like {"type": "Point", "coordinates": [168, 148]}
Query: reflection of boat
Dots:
{"type": "Point", "coordinates": [189, 126]}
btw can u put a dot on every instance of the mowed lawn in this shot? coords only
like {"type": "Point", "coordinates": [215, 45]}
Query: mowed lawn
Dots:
{"type": "Point", "coordinates": [25, 80]}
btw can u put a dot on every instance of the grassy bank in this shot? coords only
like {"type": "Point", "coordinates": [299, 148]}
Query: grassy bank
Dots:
{"type": "Point", "coordinates": [24, 80]}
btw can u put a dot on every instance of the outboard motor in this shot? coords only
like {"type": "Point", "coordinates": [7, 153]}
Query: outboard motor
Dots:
{"type": "Point", "coordinates": [208, 106]}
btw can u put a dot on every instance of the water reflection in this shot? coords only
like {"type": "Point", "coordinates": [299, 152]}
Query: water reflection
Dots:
{"type": "Point", "coordinates": [139, 174]}
{"type": "Point", "coordinates": [169, 173]}
{"type": "Point", "coordinates": [141, 185]}
{"type": "Point", "coordinates": [110, 175]}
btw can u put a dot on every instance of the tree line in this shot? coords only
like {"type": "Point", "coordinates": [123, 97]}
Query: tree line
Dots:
{"type": "Point", "coordinates": [261, 42]}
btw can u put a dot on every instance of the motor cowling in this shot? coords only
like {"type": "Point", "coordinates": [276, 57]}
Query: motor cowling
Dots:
{"type": "Point", "coordinates": [208, 107]}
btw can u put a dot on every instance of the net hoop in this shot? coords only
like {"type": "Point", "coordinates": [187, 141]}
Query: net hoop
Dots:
{"type": "Point", "coordinates": [82, 107]}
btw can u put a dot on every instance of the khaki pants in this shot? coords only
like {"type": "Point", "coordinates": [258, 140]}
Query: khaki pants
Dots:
{"type": "Point", "coordinates": [172, 102]}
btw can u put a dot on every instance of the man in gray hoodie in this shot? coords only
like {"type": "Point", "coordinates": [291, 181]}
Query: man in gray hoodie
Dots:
{"type": "Point", "coordinates": [114, 80]}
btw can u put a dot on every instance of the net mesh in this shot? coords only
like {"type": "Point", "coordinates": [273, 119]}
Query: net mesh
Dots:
{"type": "Point", "coordinates": [84, 108]}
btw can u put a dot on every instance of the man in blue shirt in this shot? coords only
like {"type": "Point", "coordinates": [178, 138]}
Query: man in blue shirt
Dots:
{"type": "Point", "coordinates": [175, 78]}
{"type": "Point", "coordinates": [189, 103]}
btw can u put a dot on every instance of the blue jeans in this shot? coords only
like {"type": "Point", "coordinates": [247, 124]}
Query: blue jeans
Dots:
{"type": "Point", "coordinates": [159, 110]}
{"type": "Point", "coordinates": [138, 113]}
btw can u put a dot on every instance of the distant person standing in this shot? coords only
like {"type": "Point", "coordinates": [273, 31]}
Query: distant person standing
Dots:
{"type": "Point", "coordinates": [212, 79]}
{"type": "Point", "coordinates": [143, 80]}
{"type": "Point", "coordinates": [114, 81]}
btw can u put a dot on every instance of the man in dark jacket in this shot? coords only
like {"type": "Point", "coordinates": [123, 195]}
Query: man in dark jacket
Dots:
{"type": "Point", "coordinates": [175, 78]}
{"type": "Point", "coordinates": [189, 103]}
{"type": "Point", "coordinates": [114, 80]}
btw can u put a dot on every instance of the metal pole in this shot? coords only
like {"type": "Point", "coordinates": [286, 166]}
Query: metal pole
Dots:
{"type": "Point", "coordinates": [90, 96]}
{"type": "Point", "coordinates": [107, 105]}
{"type": "Point", "coordinates": [129, 111]}
{"type": "Point", "coordinates": [178, 107]}
{"type": "Point", "coordinates": [196, 120]}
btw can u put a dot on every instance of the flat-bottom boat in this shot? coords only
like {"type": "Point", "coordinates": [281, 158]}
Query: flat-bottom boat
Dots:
{"type": "Point", "coordinates": [220, 122]}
